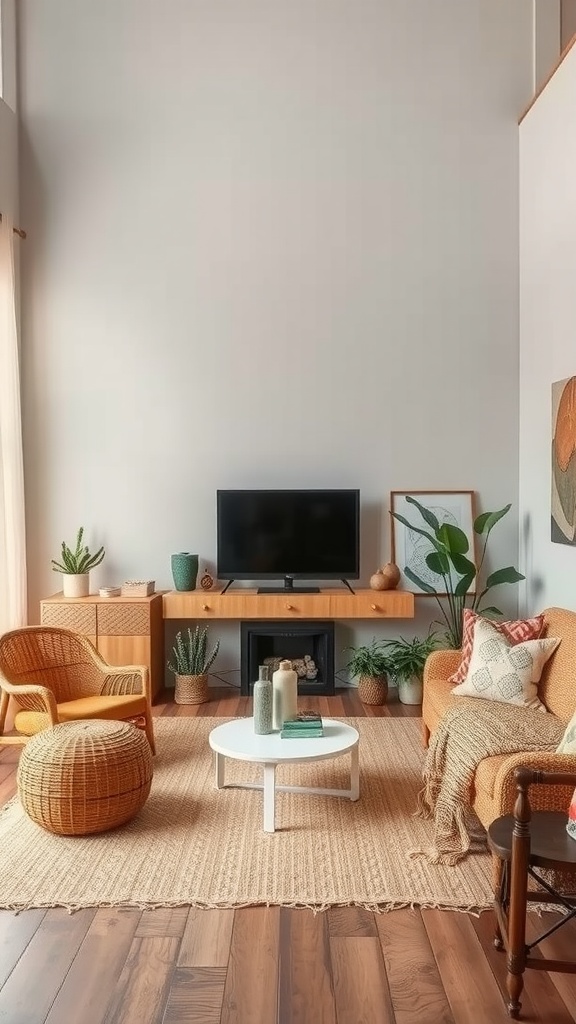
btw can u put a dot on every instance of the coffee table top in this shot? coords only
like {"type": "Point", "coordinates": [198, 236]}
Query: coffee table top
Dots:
{"type": "Point", "coordinates": [237, 739]}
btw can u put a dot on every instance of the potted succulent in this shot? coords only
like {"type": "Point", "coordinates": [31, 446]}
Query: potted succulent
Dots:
{"type": "Point", "coordinates": [371, 665]}
{"type": "Point", "coordinates": [75, 567]}
{"type": "Point", "coordinates": [190, 666]}
{"type": "Point", "coordinates": [408, 658]}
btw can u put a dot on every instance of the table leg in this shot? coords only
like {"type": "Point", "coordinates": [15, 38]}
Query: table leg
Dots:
{"type": "Point", "coordinates": [354, 774]}
{"type": "Point", "coordinates": [269, 797]}
{"type": "Point", "coordinates": [219, 771]}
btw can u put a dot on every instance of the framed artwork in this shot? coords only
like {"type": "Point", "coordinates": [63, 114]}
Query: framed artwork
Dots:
{"type": "Point", "coordinates": [409, 549]}
{"type": "Point", "coordinates": [563, 504]}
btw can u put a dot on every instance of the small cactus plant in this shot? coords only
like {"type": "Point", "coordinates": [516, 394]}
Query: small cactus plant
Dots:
{"type": "Point", "coordinates": [80, 561]}
{"type": "Point", "coordinates": [190, 658]}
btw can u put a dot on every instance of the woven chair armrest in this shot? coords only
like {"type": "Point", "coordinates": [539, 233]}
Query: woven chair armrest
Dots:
{"type": "Point", "coordinates": [441, 664]}
{"type": "Point", "coordinates": [37, 698]}
{"type": "Point", "coordinates": [126, 679]}
{"type": "Point", "coordinates": [542, 797]}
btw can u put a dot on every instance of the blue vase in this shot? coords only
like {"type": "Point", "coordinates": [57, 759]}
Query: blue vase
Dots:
{"type": "Point", "coordinates": [184, 570]}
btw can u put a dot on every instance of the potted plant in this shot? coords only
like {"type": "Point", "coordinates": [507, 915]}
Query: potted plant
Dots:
{"type": "Point", "coordinates": [408, 658]}
{"type": "Point", "coordinates": [371, 665]}
{"type": "Point", "coordinates": [190, 666]}
{"type": "Point", "coordinates": [75, 567]}
{"type": "Point", "coordinates": [448, 559]}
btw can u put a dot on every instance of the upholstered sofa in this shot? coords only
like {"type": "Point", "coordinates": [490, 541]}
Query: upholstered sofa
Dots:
{"type": "Point", "coordinates": [494, 788]}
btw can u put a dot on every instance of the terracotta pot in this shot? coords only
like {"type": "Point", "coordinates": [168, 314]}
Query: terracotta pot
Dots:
{"type": "Point", "coordinates": [373, 689]}
{"type": "Point", "coordinates": [378, 581]}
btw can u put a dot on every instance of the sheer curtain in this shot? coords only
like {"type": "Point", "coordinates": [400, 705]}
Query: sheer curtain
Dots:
{"type": "Point", "coordinates": [12, 521]}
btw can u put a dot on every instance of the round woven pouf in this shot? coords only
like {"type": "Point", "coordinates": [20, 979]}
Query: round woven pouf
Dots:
{"type": "Point", "coordinates": [84, 777]}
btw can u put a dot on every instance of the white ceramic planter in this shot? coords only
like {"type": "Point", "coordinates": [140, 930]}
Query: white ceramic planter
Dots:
{"type": "Point", "coordinates": [75, 585]}
{"type": "Point", "coordinates": [410, 690]}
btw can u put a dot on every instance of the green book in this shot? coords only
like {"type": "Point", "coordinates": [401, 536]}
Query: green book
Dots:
{"type": "Point", "coordinates": [301, 734]}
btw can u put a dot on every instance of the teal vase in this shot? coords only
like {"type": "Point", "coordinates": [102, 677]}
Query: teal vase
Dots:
{"type": "Point", "coordinates": [184, 570]}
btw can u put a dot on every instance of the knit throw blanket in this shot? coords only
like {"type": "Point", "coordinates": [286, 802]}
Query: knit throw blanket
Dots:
{"type": "Point", "coordinates": [463, 738]}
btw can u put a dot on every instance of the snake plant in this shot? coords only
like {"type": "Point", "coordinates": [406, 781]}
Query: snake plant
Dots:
{"type": "Point", "coordinates": [80, 561]}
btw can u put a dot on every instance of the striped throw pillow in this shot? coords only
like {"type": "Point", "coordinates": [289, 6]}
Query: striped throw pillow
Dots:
{"type": "Point", "coordinates": [515, 631]}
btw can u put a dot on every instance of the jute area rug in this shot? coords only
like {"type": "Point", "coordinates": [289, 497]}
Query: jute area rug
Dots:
{"type": "Point", "coordinates": [195, 845]}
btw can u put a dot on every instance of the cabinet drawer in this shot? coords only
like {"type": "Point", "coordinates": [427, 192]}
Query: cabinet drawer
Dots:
{"type": "Point", "coordinates": [79, 617]}
{"type": "Point", "coordinates": [123, 619]}
{"type": "Point", "coordinates": [372, 605]}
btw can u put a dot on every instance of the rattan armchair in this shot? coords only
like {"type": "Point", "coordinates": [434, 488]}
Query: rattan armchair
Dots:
{"type": "Point", "coordinates": [54, 675]}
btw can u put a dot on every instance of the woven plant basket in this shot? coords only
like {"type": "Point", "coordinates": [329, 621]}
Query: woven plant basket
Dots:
{"type": "Point", "coordinates": [373, 689]}
{"type": "Point", "coordinates": [191, 689]}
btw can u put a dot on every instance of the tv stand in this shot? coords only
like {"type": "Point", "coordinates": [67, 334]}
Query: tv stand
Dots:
{"type": "Point", "coordinates": [288, 588]}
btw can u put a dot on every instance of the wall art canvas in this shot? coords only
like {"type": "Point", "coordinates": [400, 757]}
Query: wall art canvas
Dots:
{"type": "Point", "coordinates": [563, 508]}
{"type": "Point", "coordinates": [409, 549]}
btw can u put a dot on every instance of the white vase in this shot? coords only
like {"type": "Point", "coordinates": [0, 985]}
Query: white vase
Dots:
{"type": "Point", "coordinates": [410, 690]}
{"type": "Point", "coordinates": [75, 584]}
{"type": "Point", "coordinates": [284, 694]}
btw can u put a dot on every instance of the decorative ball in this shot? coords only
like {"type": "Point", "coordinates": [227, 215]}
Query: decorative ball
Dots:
{"type": "Point", "coordinates": [391, 573]}
{"type": "Point", "coordinates": [378, 581]}
{"type": "Point", "coordinates": [206, 581]}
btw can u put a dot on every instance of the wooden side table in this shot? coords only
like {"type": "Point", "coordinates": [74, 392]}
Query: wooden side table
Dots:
{"type": "Point", "coordinates": [124, 630]}
{"type": "Point", "coordinates": [522, 842]}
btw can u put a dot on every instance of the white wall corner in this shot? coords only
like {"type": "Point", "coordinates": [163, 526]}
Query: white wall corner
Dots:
{"type": "Point", "coordinates": [547, 23]}
{"type": "Point", "coordinates": [8, 78]}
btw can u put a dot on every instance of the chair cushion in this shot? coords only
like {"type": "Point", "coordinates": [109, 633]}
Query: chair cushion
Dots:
{"type": "Point", "coordinates": [113, 708]}
{"type": "Point", "coordinates": [487, 771]}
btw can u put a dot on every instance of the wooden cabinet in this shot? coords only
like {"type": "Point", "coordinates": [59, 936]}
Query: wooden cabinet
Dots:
{"type": "Point", "coordinates": [125, 631]}
{"type": "Point", "coordinates": [328, 604]}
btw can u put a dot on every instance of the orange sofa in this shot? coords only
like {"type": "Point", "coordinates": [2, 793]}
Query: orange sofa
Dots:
{"type": "Point", "coordinates": [494, 788]}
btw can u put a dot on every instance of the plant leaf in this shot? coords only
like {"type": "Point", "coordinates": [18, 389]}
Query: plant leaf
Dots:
{"type": "Point", "coordinates": [419, 583]}
{"type": "Point", "coordinates": [416, 529]}
{"type": "Point", "coordinates": [453, 538]}
{"type": "Point", "coordinates": [490, 613]}
{"type": "Point", "coordinates": [462, 565]}
{"type": "Point", "coordinates": [426, 513]}
{"type": "Point", "coordinates": [507, 575]}
{"type": "Point", "coordinates": [463, 585]}
{"type": "Point", "coordinates": [438, 562]}
{"type": "Point", "coordinates": [484, 523]}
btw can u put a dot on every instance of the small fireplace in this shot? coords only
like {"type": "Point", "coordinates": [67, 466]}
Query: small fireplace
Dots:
{"type": "Point", "coordinates": [309, 645]}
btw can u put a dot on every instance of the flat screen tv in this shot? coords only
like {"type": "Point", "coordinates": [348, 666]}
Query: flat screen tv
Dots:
{"type": "Point", "coordinates": [288, 534]}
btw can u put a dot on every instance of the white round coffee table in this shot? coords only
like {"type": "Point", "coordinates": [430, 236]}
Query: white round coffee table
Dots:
{"type": "Point", "coordinates": [238, 740]}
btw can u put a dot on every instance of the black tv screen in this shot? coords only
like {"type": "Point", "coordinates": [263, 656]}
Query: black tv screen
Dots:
{"type": "Point", "coordinates": [269, 534]}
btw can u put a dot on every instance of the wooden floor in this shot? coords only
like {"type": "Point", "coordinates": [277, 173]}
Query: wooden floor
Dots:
{"type": "Point", "coordinates": [263, 965]}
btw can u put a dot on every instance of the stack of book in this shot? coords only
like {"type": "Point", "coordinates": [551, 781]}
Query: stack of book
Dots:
{"type": "Point", "coordinates": [305, 724]}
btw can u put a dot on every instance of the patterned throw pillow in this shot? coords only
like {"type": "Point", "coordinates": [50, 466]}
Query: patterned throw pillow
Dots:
{"type": "Point", "coordinates": [571, 826]}
{"type": "Point", "coordinates": [502, 671]}
{"type": "Point", "coordinates": [516, 631]}
{"type": "Point", "coordinates": [568, 741]}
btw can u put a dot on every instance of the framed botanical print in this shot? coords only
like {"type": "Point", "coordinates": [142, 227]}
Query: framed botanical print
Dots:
{"type": "Point", "coordinates": [410, 548]}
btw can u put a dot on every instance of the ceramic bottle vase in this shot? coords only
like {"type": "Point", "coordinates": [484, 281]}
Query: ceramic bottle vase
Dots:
{"type": "Point", "coordinates": [184, 570]}
{"type": "Point", "coordinates": [262, 702]}
{"type": "Point", "coordinates": [284, 694]}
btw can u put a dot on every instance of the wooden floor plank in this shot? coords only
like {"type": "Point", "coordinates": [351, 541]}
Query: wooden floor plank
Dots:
{"type": "Point", "coordinates": [46, 960]}
{"type": "Point", "coordinates": [560, 946]}
{"type": "Point", "coordinates": [469, 984]}
{"type": "Point", "coordinates": [541, 1002]}
{"type": "Point", "coordinates": [141, 992]}
{"type": "Point", "coordinates": [306, 991]}
{"type": "Point", "coordinates": [415, 984]}
{"type": "Point", "coordinates": [196, 996]}
{"type": "Point", "coordinates": [166, 922]}
{"type": "Point", "coordinates": [207, 938]}
{"type": "Point", "coordinates": [361, 990]}
{"type": "Point", "coordinates": [251, 990]}
{"type": "Point", "coordinates": [350, 921]}
{"type": "Point", "coordinates": [16, 931]}
{"type": "Point", "coordinates": [96, 968]}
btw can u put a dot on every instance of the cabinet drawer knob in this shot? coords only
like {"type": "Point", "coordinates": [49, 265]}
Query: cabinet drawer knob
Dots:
{"type": "Point", "coordinates": [289, 607]}
{"type": "Point", "coordinates": [205, 607]}
{"type": "Point", "coordinates": [374, 607]}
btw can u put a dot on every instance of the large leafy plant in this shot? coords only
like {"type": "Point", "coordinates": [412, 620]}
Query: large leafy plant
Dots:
{"type": "Point", "coordinates": [80, 560]}
{"type": "Point", "coordinates": [449, 560]}
{"type": "Point", "coordinates": [370, 660]}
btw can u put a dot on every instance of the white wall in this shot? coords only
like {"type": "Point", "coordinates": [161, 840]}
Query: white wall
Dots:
{"type": "Point", "coordinates": [548, 318]}
{"type": "Point", "coordinates": [273, 243]}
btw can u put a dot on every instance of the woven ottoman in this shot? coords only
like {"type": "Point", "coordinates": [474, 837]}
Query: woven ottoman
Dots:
{"type": "Point", "coordinates": [83, 777]}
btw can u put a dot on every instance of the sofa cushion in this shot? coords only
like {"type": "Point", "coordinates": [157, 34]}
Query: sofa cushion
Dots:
{"type": "Point", "coordinates": [514, 630]}
{"type": "Point", "coordinates": [502, 671]}
{"type": "Point", "coordinates": [487, 771]}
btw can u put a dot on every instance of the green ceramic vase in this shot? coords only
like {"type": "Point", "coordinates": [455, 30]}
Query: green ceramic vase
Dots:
{"type": "Point", "coordinates": [184, 570]}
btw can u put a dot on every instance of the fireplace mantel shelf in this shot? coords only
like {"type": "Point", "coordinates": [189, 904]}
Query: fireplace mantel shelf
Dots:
{"type": "Point", "coordinates": [332, 603]}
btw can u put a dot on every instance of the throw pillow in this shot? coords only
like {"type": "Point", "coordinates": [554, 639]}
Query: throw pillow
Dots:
{"type": "Point", "coordinates": [571, 826]}
{"type": "Point", "coordinates": [568, 741]}
{"type": "Point", "coordinates": [515, 630]}
{"type": "Point", "coordinates": [502, 671]}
